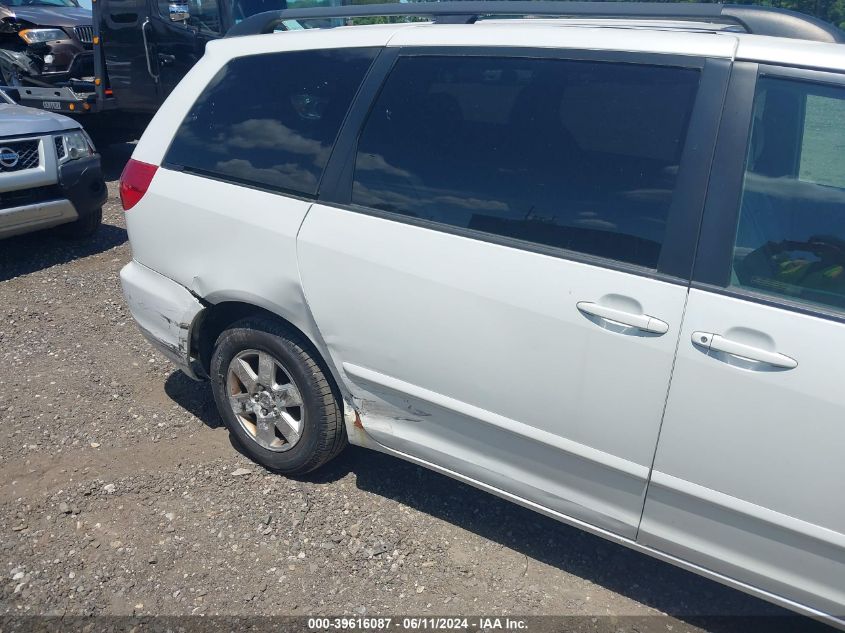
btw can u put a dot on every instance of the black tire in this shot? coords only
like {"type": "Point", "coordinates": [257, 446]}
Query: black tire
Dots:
{"type": "Point", "coordinates": [82, 228]}
{"type": "Point", "coordinates": [323, 434]}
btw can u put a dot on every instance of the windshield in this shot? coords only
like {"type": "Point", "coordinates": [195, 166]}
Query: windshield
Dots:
{"type": "Point", "coordinates": [40, 3]}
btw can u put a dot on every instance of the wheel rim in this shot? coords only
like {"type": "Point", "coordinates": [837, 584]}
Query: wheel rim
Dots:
{"type": "Point", "coordinates": [266, 400]}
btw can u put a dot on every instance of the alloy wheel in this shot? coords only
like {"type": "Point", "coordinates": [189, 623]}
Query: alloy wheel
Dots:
{"type": "Point", "coordinates": [265, 400]}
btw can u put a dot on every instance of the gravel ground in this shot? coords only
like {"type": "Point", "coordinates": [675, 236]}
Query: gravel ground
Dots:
{"type": "Point", "coordinates": [120, 493]}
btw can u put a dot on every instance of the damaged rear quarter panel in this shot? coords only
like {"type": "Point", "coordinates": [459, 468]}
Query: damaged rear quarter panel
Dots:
{"type": "Point", "coordinates": [224, 242]}
{"type": "Point", "coordinates": [164, 311]}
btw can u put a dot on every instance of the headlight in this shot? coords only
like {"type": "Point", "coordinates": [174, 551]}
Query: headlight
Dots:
{"type": "Point", "coordinates": [76, 144]}
{"type": "Point", "coordinates": [35, 36]}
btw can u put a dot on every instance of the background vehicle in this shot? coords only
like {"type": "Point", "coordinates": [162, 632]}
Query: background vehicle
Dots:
{"type": "Point", "coordinates": [49, 174]}
{"type": "Point", "coordinates": [592, 266]}
{"type": "Point", "coordinates": [44, 42]}
{"type": "Point", "coordinates": [149, 46]}
{"type": "Point", "coordinates": [119, 64]}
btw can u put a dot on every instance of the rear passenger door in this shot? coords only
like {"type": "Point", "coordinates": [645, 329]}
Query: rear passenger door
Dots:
{"type": "Point", "coordinates": [499, 263]}
{"type": "Point", "coordinates": [749, 476]}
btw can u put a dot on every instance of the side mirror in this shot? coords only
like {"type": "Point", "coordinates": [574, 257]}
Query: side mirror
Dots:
{"type": "Point", "coordinates": [179, 11]}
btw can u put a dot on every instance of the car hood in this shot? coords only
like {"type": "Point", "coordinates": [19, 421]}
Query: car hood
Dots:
{"type": "Point", "coordinates": [52, 16]}
{"type": "Point", "coordinates": [17, 120]}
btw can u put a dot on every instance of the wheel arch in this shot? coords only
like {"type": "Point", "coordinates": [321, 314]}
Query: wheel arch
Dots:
{"type": "Point", "coordinates": [220, 314]}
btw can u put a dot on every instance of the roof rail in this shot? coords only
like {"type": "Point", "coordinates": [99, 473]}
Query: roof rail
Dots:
{"type": "Point", "coordinates": [753, 19]}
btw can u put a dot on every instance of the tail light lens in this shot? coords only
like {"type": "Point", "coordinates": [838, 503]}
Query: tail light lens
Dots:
{"type": "Point", "coordinates": [134, 182]}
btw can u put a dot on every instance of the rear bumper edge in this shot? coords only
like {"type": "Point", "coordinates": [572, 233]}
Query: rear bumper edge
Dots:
{"type": "Point", "coordinates": [165, 312]}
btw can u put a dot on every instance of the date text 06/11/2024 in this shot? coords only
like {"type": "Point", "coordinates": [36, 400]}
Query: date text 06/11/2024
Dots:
{"type": "Point", "coordinates": [416, 624]}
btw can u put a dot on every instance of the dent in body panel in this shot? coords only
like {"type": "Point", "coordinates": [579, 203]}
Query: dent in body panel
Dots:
{"type": "Point", "coordinates": [227, 243]}
{"type": "Point", "coordinates": [164, 310]}
{"type": "Point", "coordinates": [168, 332]}
{"type": "Point", "coordinates": [166, 315]}
{"type": "Point", "coordinates": [405, 303]}
{"type": "Point", "coordinates": [561, 482]}
{"type": "Point", "coordinates": [447, 313]}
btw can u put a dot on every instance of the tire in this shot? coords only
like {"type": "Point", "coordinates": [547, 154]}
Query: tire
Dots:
{"type": "Point", "coordinates": [82, 228]}
{"type": "Point", "coordinates": [321, 434]}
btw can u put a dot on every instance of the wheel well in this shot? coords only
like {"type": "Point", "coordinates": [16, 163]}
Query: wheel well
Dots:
{"type": "Point", "coordinates": [218, 317]}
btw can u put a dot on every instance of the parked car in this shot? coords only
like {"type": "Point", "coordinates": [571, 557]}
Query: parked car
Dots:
{"type": "Point", "coordinates": [593, 266]}
{"type": "Point", "coordinates": [44, 42]}
{"type": "Point", "coordinates": [49, 174]}
{"type": "Point", "coordinates": [111, 70]}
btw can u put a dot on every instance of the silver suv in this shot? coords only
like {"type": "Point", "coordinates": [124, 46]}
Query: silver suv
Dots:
{"type": "Point", "coordinates": [49, 174]}
{"type": "Point", "coordinates": [593, 265]}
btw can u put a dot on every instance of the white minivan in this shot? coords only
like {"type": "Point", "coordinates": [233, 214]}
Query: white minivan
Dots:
{"type": "Point", "coordinates": [595, 266]}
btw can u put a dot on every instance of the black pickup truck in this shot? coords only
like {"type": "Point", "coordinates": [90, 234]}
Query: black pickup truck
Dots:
{"type": "Point", "coordinates": [116, 66]}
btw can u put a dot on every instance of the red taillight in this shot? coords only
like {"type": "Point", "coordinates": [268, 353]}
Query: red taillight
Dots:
{"type": "Point", "coordinates": [134, 182]}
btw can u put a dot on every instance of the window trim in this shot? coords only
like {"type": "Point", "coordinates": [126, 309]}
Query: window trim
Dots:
{"type": "Point", "coordinates": [247, 184]}
{"type": "Point", "coordinates": [714, 254]}
{"type": "Point", "coordinates": [336, 183]}
{"type": "Point", "coordinates": [684, 216]}
{"type": "Point", "coordinates": [773, 301]}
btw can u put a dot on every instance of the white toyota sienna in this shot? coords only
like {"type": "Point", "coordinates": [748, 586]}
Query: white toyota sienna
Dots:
{"type": "Point", "coordinates": [595, 266]}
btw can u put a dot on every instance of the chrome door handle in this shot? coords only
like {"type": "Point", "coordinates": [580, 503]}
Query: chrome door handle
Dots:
{"type": "Point", "coordinates": [147, 50]}
{"type": "Point", "coordinates": [640, 321]}
{"type": "Point", "coordinates": [719, 343]}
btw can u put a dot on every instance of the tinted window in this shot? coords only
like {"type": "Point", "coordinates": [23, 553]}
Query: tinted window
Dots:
{"type": "Point", "coordinates": [571, 154]}
{"type": "Point", "coordinates": [791, 235]}
{"type": "Point", "coordinates": [271, 120]}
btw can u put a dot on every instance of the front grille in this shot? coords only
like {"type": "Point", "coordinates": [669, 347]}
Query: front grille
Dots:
{"type": "Point", "coordinates": [23, 197]}
{"type": "Point", "coordinates": [18, 155]}
{"type": "Point", "coordinates": [84, 33]}
{"type": "Point", "coordinates": [60, 148]}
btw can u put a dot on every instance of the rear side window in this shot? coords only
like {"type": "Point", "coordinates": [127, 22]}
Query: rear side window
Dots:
{"type": "Point", "coordinates": [791, 236]}
{"type": "Point", "coordinates": [577, 155]}
{"type": "Point", "coordinates": [271, 120]}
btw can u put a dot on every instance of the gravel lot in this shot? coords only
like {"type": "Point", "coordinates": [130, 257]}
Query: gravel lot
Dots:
{"type": "Point", "coordinates": [120, 493]}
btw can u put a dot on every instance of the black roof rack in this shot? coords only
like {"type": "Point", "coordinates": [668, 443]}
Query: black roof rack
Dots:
{"type": "Point", "coordinates": [753, 19]}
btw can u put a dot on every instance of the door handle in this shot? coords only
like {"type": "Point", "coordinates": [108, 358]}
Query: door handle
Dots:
{"type": "Point", "coordinates": [640, 321]}
{"type": "Point", "coordinates": [719, 343]}
{"type": "Point", "coordinates": [166, 59]}
{"type": "Point", "coordinates": [147, 50]}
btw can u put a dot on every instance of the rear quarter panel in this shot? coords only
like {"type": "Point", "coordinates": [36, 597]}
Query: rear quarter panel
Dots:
{"type": "Point", "coordinates": [226, 241]}
{"type": "Point", "coordinates": [223, 242]}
